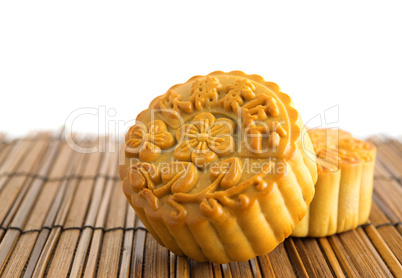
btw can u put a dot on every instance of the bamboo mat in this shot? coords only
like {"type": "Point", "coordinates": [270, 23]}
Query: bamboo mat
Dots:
{"type": "Point", "coordinates": [63, 213]}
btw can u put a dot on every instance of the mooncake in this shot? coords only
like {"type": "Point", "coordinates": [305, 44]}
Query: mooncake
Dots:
{"type": "Point", "coordinates": [344, 187]}
{"type": "Point", "coordinates": [219, 168]}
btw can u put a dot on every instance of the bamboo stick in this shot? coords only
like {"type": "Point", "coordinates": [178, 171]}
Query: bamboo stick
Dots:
{"type": "Point", "coordinates": [183, 267]}
{"type": "Point", "coordinates": [383, 249]}
{"type": "Point", "coordinates": [226, 273]}
{"type": "Point", "coordinates": [217, 270]}
{"type": "Point", "coordinates": [295, 258]}
{"type": "Point", "coordinates": [5, 150]}
{"type": "Point", "coordinates": [389, 233]}
{"type": "Point", "coordinates": [137, 261]}
{"type": "Point", "coordinates": [70, 216]}
{"type": "Point", "coordinates": [377, 216]}
{"type": "Point", "coordinates": [36, 218]}
{"type": "Point", "coordinates": [359, 254]}
{"type": "Point", "coordinates": [172, 265]}
{"type": "Point", "coordinates": [266, 266]}
{"type": "Point", "coordinates": [240, 269]}
{"type": "Point", "coordinates": [374, 253]}
{"type": "Point", "coordinates": [12, 187]}
{"type": "Point", "coordinates": [25, 207]}
{"type": "Point", "coordinates": [381, 171]}
{"type": "Point", "coordinates": [312, 257]}
{"type": "Point", "coordinates": [390, 158]}
{"type": "Point", "coordinates": [156, 259]}
{"type": "Point", "coordinates": [388, 195]}
{"type": "Point", "coordinates": [29, 200]}
{"type": "Point", "coordinates": [201, 269]}
{"type": "Point", "coordinates": [393, 239]}
{"type": "Point", "coordinates": [14, 157]}
{"type": "Point", "coordinates": [112, 242]}
{"type": "Point", "coordinates": [10, 193]}
{"type": "Point", "coordinates": [50, 188]}
{"type": "Point", "coordinates": [255, 267]}
{"type": "Point", "coordinates": [343, 257]}
{"type": "Point", "coordinates": [93, 255]}
{"type": "Point", "coordinates": [64, 253]}
{"type": "Point", "coordinates": [394, 144]}
{"type": "Point", "coordinates": [397, 145]}
{"type": "Point", "coordinates": [15, 206]}
{"type": "Point", "coordinates": [83, 245]}
{"type": "Point", "coordinates": [20, 254]}
{"type": "Point", "coordinates": [280, 261]}
{"type": "Point", "coordinates": [46, 235]}
{"type": "Point", "coordinates": [331, 257]}
{"type": "Point", "coordinates": [128, 242]}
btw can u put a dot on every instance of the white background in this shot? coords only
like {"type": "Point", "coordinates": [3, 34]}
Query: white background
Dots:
{"type": "Point", "coordinates": [57, 57]}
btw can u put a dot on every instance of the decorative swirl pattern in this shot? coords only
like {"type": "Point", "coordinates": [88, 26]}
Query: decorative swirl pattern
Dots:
{"type": "Point", "coordinates": [205, 139]}
{"type": "Point", "coordinates": [212, 200]}
{"type": "Point", "coordinates": [178, 177]}
{"type": "Point", "coordinates": [144, 175]}
{"type": "Point", "coordinates": [231, 168]}
{"type": "Point", "coordinates": [146, 143]}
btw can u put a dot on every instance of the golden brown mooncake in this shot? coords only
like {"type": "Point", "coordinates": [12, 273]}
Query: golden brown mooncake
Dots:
{"type": "Point", "coordinates": [218, 168]}
{"type": "Point", "coordinates": [344, 187]}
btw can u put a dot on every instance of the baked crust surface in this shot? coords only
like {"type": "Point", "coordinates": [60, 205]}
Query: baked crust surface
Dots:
{"type": "Point", "coordinates": [219, 168]}
{"type": "Point", "coordinates": [345, 184]}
